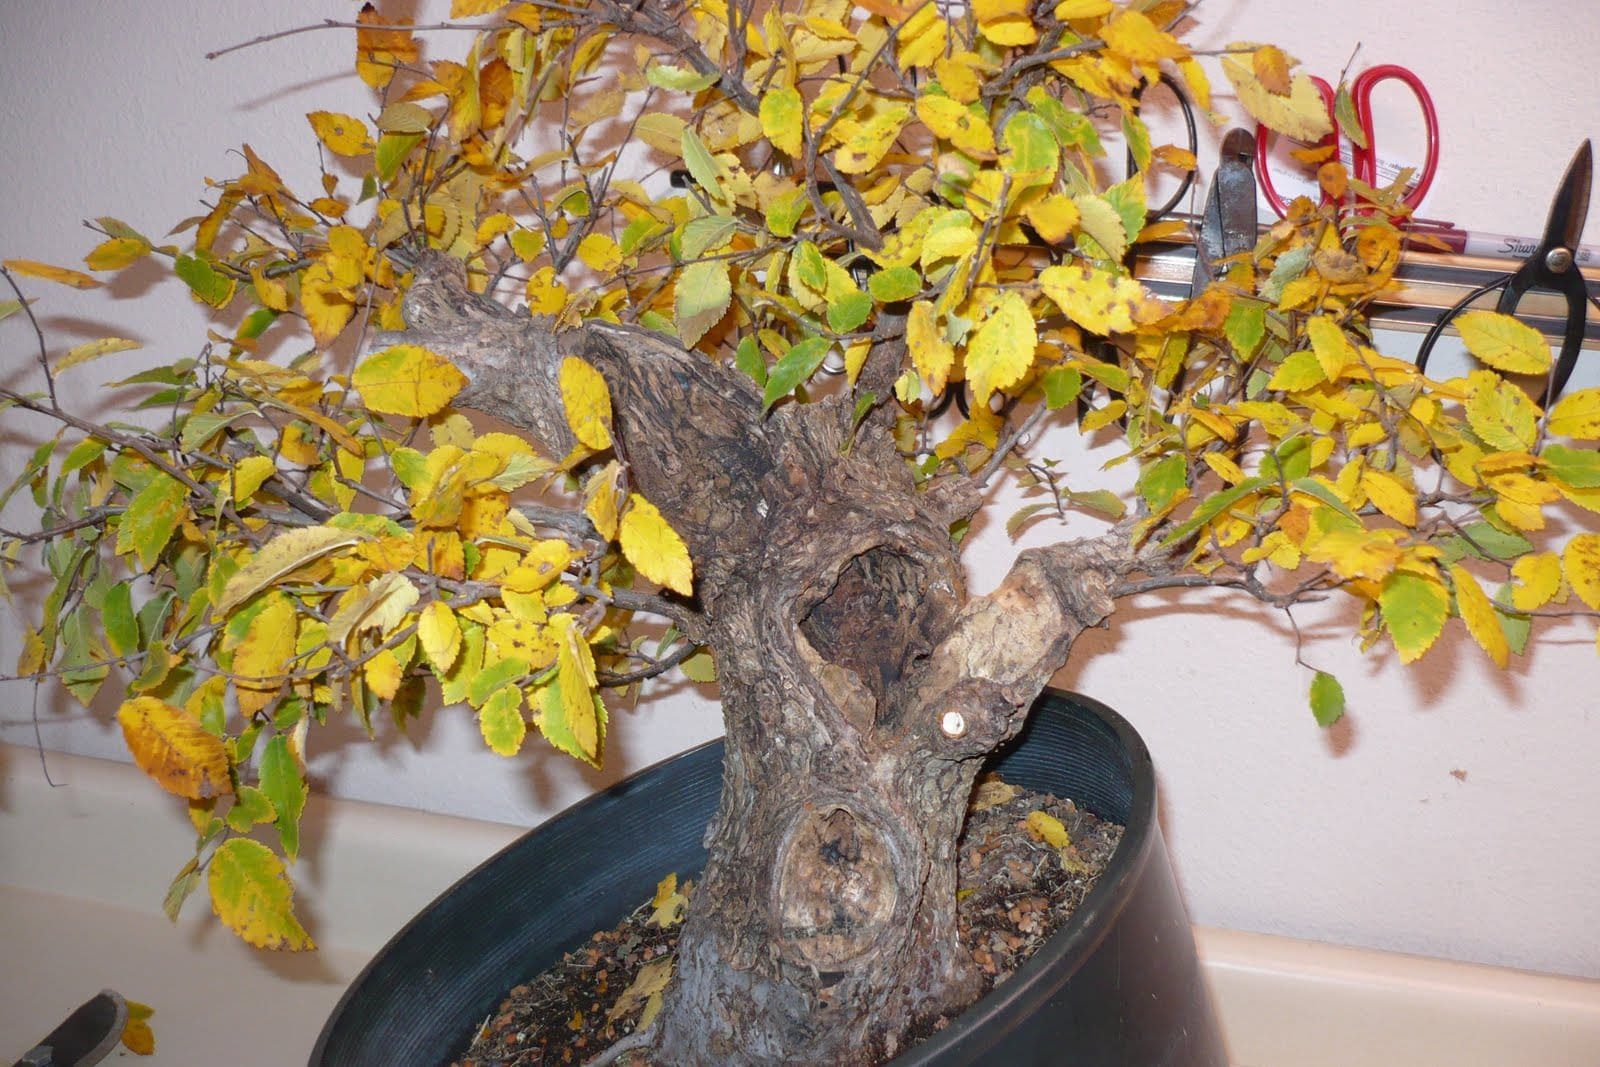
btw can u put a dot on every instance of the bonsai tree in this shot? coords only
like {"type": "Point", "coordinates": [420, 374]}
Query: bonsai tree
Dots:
{"type": "Point", "coordinates": [719, 267]}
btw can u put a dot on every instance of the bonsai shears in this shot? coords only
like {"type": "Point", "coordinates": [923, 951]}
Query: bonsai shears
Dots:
{"type": "Point", "coordinates": [1552, 266]}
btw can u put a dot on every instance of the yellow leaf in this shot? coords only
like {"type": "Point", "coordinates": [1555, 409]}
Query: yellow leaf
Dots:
{"type": "Point", "coordinates": [1301, 114]}
{"type": "Point", "coordinates": [253, 896]}
{"type": "Point", "coordinates": [1082, 9]}
{"type": "Point", "coordinates": [669, 905]}
{"type": "Point", "coordinates": [33, 269]}
{"type": "Point", "coordinates": [172, 747]}
{"type": "Point", "coordinates": [271, 292]}
{"type": "Point", "coordinates": [1054, 216]}
{"type": "Point", "coordinates": [501, 723]}
{"type": "Point", "coordinates": [1271, 69]}
{"type": "Point", "coordinates": [782, 119]}
{"type": "Point", "coordinates": [544, 294]}
{"type": "Point", "coordinates": [1099, 301]}
{"type": "Point", "coordinates": [1226, 468]}
{"type": "Point", "coordinates": [379, 606]}
{"type": "Point", "coordinates": [466, 9]}
{"type": "Point", "coordinates": [922, 37]}
{"type": "Point", "coordinates": [588, 403]}
{"type": "Point", "coordinates": [407, 380]}
{"type": "Point", "coordinates": [1577, 415]}
{"type": "Point", "coordinates": [1473, 605]}
{"type": "Point", "coordinates": [931, 354]}
{"type": "Point", "coordinates": [383, 673]}
{"type": "Point", "coordinates": [440, 634]}
{"type": "Point", "coordinates": [575, 671]}
{"type": "Point", "coordinates": [344, 135]}
{"type": "Point", "coordinates": [1504, 343]}
{"type": "Point", "coordinates": [286, 552]}
{"type": "Point", "coordinates": [1005, 22]}
{"type": "Point", "coordinates": [116, 253]}
{"type": "Point", "coordinates": [1392, 496]}
{"type": "Point", "coordinates": [962, 126]}
{"type": "Point", "coordinates": [599, 252]}
{"type": "Point", "coordinates": [1133, 36]}
{"type": "Point", "coordinates": [1048, 828]}
{"type": "Point", "coordinates": [1499, 413]}
{"type": "Point", "coordinates": [1581, 558]}
{"type": "Point", "coordinates": [602, 503]}
{"type": "Point", "coordinates": [248, 475]}
{"type": "Point", "coordinates": [328, 307]}
{"type": "Point", "coordinates": [137, 1036]}
{"type": "Point", "coordinates": [655, 548]}
{"type": "Point", "coordinates": [1332, 348]}
{"type": "Point", "coordinates": [1538, 580]}
{"type": "Point", "coordinates": [1001, 350]}
{"type": "Point", "coordinates": [94, 350]}
{"type": "Point", "coordinates": [263, 656]}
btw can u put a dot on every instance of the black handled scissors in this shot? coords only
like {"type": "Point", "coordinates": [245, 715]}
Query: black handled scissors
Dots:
{"type": "Point", "coordinates": [1552, 266]}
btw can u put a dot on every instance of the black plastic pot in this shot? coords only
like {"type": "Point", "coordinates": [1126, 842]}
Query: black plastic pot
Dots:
{"type": "Point", "coordinates": [1120, 984]}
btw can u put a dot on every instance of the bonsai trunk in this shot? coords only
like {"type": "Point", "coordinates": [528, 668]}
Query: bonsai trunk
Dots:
{"type": "Point", "coordinates": [861, 688]}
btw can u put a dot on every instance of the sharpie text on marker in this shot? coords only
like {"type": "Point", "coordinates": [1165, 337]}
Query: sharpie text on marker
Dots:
{"type": "Point", "coordinates": [1493, 245]}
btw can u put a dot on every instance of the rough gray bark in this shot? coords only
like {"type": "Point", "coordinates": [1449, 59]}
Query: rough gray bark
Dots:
{"type": "Point", "coordinates": [860, 685]}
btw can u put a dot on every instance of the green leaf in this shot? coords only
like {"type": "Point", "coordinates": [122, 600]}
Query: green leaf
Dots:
{"type": "Point", "coordinates": [1344, 112]}
{"type": "Point", "coordinates": [493, 676]}
{"type": "Point", "coordinates": [678, 79]}
{"type": "Point", "coordinates": [1327, 699]}
{"type": "Point", "coordinates": [702, 235]}
{"type": "Point", "coordinates": [748, 358]}
{"type": "Point", "coordinates": [797, 365]}
{"type": "Point", "coordinates": [1214, 505]}
{"type": "Point", "coordinates": [785, 212]}
{"type": "Point", "coordinates": [894, 284]}
{"type": "Point", "coordinates": [1516, 626]}
{"type": "Point", "coordinates": [703, 295]}
{"type": "Point", "coordinates": [1291, 265]}
{"type": "Point", "coordinates": [1101, 221]}
{"type": "Point", "coordinates": [1129, 200]}
{"type": "Point", "coordinates": [1575, 468]}
{"type": "Point", "coordinates": [116, 616]}
{"type": "Point", "coordinates": [1312, 487]}
{"type": "Point", "coordinates": [700, 667]}
{"type": "Point", "coordinates": [1061, 387]}
{"type": "Point", "coordinates": [151, 518]}
{"type": "Point", "coordinates": [705, 171]}
{"type": "Point", "coordinates": [255, 324]}
{"type": "Point", "coordinates": [501, 722]}
{"type": "Point", "coordinates": [1072, 129]}
{"type": "Point", "coordinates": [1163, 480]}
{"type": "Point", "coordinates": [1101, 501]}
{"type": "Point", "coordinates": [9, 308]}
{"type": "Point", "coordinates": [849, 311]}
{"type": "Point", "coordinates": [183, 884]}
{"type": "Point", "coordinates": [250, 807]}
{"type": "Point", "coordinates": [393, 148]}
{"type": "Point", "coordinates": [1031, 153]}
{"type": "Point", "coordinates": [283, 785]}
{"type": "Point", "coordinates": [1245, 326]}
{"type": "Point", "coordinates": [457, 681]}
{"type": "Point", "coordinates": [1488, 542]}
{"type": "Point", "coordinates": [1137, 136]}
{"type": "Point", "coordinates": [83, 453]}
{"type": "Point", "coordinates": [202, 425]}
{"type": "Point", "coordinates": [1414, 609]}
{"type": "Point", "coordinates": [211, 287]}
{"type": "Point", "coordinates": [252, 895]}
{"type": "Point", "coordinates": [557, 729]}
{"type": "Point", "coordinates": [810, 266]}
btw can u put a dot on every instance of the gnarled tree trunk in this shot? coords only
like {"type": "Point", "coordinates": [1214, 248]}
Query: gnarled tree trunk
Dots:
{"type": "Point", "coordinates": [860, 686]}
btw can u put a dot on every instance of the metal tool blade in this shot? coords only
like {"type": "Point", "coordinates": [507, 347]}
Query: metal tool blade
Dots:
{"type": "Point", "coordinates": [1570, 209]}
{"type": "Point", "coordinates": [1228, 226]}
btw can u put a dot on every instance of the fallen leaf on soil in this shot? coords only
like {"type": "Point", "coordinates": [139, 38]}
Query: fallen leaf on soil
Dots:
{"type": "Point", "coordinates": [1048, 828]}
{"type": "Point", "coordinates": [652, 979]}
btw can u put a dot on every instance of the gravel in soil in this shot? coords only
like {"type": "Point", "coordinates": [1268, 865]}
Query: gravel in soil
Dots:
{"type": "Point", "coordinates": [1027, 861]}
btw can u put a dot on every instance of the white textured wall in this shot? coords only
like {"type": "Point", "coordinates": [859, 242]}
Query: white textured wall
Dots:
{"type": "Point", "coordinates": [1361, 835]}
